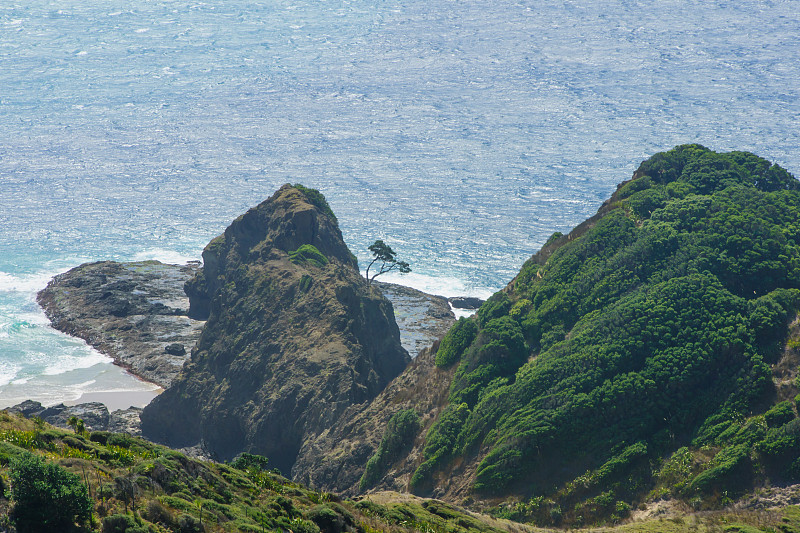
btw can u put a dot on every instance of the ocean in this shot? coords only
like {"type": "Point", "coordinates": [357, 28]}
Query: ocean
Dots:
{"type": "Point", "coordinates": [463, 133]}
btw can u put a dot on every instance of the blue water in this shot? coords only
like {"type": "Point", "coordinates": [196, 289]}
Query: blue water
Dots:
{"type": "Point", "coordinates": [462, 132]}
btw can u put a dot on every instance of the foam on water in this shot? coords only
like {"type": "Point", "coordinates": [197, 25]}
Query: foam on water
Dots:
{"type": "Point", "coordinates": [165, 256]}
{"type": "Point", "coordinates": [40, 363]}
{"type": "Point", "coordinates": [26, 283]}
{"type": "Point", "coordinates": [442, 286]}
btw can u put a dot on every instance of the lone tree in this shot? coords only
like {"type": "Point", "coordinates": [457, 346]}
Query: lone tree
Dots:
{"type": "Point", "coordinates": [387, 259]}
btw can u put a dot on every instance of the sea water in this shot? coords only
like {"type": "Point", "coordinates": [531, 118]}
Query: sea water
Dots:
{"type": "Point", "coordinates": [461, 132]}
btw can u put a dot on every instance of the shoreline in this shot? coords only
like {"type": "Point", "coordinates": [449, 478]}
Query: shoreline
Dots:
{"type": "Point", "coordinates": [104, 382]}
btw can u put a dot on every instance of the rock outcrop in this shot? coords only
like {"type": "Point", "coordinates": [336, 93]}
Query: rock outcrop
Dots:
{"type": "Point", "coordinates": [95, 416]}
{"type": "Point", "coordinates": [294, 336]}
{"type": "Point", "coordinates": [136, 313]}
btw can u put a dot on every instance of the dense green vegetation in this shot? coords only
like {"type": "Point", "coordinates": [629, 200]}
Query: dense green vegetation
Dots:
{"type": "Point", "coordinates": [398, 437]}
{"type": "Point", "coordinates": [48, 498]}
{"type": "Point", "coordinates": [113, 483]}
{"type": "Point", "coordinates": [650, 329]}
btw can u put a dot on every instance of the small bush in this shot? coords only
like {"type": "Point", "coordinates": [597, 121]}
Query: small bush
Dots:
{"type": "Point", "coordinates": [730, 469]}
{"type": "Point", "coordinates": [779, 414]}
{"type": "Point", "coordinates": [308, 254]}
{"type": "Point", "coordinates": [47, 497]}
{"type": "Point", "coordinates": [121, 440]}
{"type": "Point", "coordinates": [189, 524]}
{"type": "Point", "coordinates": [305, 283]}
{"type": "Point", "coordinates": [328, 520]}
{"type": "Point", "coordinates": [399, 435]}
{"type": "Point", "coordinates": [100, 437]}
{"type": "Point", "coordinates": [456, 341]}
{"type": "Point", "coordinates": [122, 523]}
{"type": "Point", "coordinates": [245, 461]}
{"type": "Point", "coordinates": [8, 451]}
{"type": "Point", "coordinates": [304, 526]}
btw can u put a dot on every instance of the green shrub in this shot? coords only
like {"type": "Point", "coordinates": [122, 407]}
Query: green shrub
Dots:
{"type": "Point", "coordinates": [245, 461]}
{"type": "Point", "coordinates": [189, 524]}
{"type": "Point", "coordinates": [305, 283]}
{"type": "Point", "coordinates": [100, 437]}
{"type": "Point", "coordinates": [779, 414]}
{"type": "Point", "coordinates": [496, 306]}
{"type": "Point", "coordinates": [399, 435]}
{"type": "Point", "coordinates": [46, 496]}
{"type": "Point", "coordinates": [317, 199]}
{"type": "Point", "coordinates": [328, 520]}
{"type": "Point", "coordinates": [308, 254]}
{"type": "Point", "coordinates": [457, 339]}
{"type": "Point", "coordinates": [8, 451]}
{"type": "Point", "coordinates": [122, 523]}
{"type": "Point", "coordinates": [304, 526]}
{"type": "Point", "coordinates": [121, 440]}
{"type": "Point", "coordinates": [729, 470]}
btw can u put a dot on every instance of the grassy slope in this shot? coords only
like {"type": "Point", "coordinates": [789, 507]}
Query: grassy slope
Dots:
{"type": "Point", "coordinates": [168, 487]}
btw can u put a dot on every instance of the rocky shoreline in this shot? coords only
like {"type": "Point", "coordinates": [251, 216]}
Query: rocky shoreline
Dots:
{"type": "Point", "coordinates": [136, 313]}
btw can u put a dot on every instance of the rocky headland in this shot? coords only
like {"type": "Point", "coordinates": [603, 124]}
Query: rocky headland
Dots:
{"type": "Point", "coordinates": [137, 313]}
{"type": "Point", "coordinates": [294, 336]}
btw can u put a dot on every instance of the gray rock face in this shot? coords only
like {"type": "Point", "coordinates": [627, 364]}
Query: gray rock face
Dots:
{"type": "Point", "coordinates": [136, 313]}
{"type": "Point", "coordinates": [465, 302]}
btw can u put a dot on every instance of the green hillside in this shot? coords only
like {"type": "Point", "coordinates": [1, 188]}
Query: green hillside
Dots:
{"type": "Point", "coordinates": [645, 353]}
{"type": "Point", "coordinates": [52, 480]}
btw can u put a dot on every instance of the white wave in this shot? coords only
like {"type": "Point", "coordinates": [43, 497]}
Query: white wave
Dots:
{"type": "Point", "coordinates": [440, 285]}
{"type": "Point", "coordinates": [33, 319]}
{"type": "Point", "coordinates": [33, 282]}
{"type": "Point", "coordinates": [64, 364]}
{"type": "Point", "coordinates": [465, 313]}
{"type": "Point", "coordinates": [165, 256]}
{"type": "Point", "coordinates": [25, 282]}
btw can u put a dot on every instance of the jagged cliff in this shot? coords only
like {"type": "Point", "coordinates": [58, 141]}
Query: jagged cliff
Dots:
{"type": "Point", "coordinates": [294, 336]}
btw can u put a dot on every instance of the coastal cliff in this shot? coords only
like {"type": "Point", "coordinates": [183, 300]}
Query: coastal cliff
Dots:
{"type": "Point", "coordinates": [294, 336]}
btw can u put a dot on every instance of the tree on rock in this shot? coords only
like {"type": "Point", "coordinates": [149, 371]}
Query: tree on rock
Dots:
{"type": "Point", "coordinates": [386, 260]}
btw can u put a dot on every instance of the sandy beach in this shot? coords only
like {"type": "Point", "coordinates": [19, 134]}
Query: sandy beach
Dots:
{"type": "Point", "coordinates": [103, 382]}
